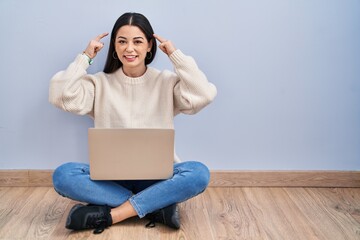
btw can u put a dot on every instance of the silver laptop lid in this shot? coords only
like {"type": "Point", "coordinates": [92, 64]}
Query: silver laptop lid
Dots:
{"type": "Point", "coordinates": [131, 154]}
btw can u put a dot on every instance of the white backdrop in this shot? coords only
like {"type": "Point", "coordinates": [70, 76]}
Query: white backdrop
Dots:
{"type": "Point", "coordinates": [287, 73]}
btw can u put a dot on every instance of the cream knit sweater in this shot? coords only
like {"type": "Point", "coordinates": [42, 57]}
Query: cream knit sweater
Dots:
{"type": "Point", "coordinates": [117, 101]}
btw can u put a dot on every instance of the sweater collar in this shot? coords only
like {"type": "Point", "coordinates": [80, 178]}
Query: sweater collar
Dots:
{"type": "Point", "coordinates": [120, 75]}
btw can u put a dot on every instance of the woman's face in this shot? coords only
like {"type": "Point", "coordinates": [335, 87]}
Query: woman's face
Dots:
{"type": "Point", "coordinates": [131, 47]}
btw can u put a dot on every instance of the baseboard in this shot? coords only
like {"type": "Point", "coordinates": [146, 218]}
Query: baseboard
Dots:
{"type": "Point", "coordinates": [26, 178]}
{"type": "Point", "coordinates": [42, 178]}
{"type": "Point", "coordinates": [285, 179]}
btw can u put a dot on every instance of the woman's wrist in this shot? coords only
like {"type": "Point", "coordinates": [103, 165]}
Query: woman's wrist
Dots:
{"type": "Point", "coordinates": [90, 60]}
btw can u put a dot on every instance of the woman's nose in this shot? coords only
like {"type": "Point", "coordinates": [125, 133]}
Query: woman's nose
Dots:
{"type": "Point", "coordinates": [129, 47]}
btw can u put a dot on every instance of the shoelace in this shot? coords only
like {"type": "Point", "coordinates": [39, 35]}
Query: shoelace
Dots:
{"type": "Point", "coordinates": [98, 222]}
{"type": "Point", "coordinates": [155, 217]}
{"type": "Point", "coordinates": [150, 224]}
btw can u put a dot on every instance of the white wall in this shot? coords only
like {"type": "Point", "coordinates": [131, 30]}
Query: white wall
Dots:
{"type": "Point", "coordinates": [287, 72]}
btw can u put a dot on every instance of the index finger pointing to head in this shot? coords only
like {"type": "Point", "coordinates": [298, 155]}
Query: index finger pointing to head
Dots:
{"type": "Point", "coordinates": [98, 38]}
{"type": "Point", "coordinates": [160, 39]}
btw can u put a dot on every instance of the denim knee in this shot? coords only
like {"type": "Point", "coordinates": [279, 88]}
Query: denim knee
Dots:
{"type": "Point", "coordinates": [197, 175]}
{"type": "Point", "coordinates": [202, 174]}
{"type": "Point", "coordinates": [62, 176]}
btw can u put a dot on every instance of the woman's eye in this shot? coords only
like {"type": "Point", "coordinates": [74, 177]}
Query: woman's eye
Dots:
{"type": "Point", "coordinates": [138, 42]}
{"type": "Point", "coordinates": [122, 42]}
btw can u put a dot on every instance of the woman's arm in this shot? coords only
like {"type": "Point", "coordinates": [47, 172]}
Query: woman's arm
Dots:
{"type": "Point", "coordinates": [73, 90]}
{"type": "Point", "coordinates": [192, 90]}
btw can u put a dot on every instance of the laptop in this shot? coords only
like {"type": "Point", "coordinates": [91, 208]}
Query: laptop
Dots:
{"type": "Point", "coordinates": [131, 154]}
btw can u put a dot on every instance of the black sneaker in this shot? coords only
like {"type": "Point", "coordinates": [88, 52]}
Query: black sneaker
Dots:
{"type": "Point", "coordinates": [168, 216]}
{"type": "Point", "coordinates": [89, 217]}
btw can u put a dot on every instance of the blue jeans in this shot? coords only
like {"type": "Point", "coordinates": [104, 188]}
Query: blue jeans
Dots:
{"type": "Point", "coordinates": [72, 180]}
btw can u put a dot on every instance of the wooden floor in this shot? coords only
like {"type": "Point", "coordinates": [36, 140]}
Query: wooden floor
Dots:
{"type": "Point", "coordinates": [218, 213]}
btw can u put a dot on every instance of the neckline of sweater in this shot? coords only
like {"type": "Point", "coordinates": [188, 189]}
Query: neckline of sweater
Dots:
{"type": "Point", "coordinates": [137, 80]}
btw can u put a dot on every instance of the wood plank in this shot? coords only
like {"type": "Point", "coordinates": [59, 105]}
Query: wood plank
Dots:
{"type": "Point", "coordinates": [195, 221]}
{"type": "Point", "coordinates": [230, 219]}
{"type": "Point", "coordinates": [351, 179]}
{"type": "Point", "coordinates": [60, 232]}
{"type": "Point", "coordinates": [249, 226]}
{"type": "Point", "coordinates": [273, 223]}
{"type": "Point", "coordinates": [339, 207]}
{"type": "Point", "coordinates": [277, 215]}
{"type": "Point", "coordinates": [50, 211]}
{"type": "Point", "coordinates": [326, 224]}
{"type": "Point", "coordinates": [21, 212]}
{"type": "Point", "coordinates": [12, 202]}
{"type": "Point", "coordinates": [3, 191]}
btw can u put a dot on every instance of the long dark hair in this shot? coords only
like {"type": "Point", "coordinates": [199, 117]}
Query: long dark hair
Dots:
{"type": "Point", "coordinates": [133, 19]}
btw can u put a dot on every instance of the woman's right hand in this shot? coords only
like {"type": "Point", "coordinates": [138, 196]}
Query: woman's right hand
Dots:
{"type": "Point", "coordinates": [95, 46]}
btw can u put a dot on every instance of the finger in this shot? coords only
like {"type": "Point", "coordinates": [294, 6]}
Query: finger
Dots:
{"type": "Point", "coordinates": [99, 46]}
{"type": "Point", "coordinates": [163, 48]}
{"type": "Point", "coordinates": [98, 38]}
{"type": "Point", "coordinates": [160, 39]}
{"type": "Point", "coordinates": [96, 44]}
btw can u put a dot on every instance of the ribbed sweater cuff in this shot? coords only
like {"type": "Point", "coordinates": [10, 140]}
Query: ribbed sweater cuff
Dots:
{"type": "Point", "coordinates": [177, 57]}
{"type": "Point", "coordinates": [83, 61]}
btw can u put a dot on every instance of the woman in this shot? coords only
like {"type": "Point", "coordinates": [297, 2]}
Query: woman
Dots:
{"type": "Point", "coordinates": [129, 94]}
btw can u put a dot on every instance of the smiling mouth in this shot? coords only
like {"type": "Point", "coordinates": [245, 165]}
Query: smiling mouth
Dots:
{"type": "Point", "coordinates": [130, 57]}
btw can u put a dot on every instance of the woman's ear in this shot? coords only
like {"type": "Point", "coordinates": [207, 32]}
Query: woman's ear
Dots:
{"type": "Point", "coordinates": [150, 44]}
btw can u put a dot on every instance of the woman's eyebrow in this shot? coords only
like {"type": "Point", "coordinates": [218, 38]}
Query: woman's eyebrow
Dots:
{"type": "Point", "coordinates": [133, 38]}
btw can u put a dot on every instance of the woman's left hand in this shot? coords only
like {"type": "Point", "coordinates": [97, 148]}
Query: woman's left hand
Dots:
{"type": "Point", "coordinates": [165, 45]}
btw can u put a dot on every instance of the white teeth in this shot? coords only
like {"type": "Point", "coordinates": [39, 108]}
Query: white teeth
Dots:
{"type": "Point", "coordinates": [130, 56]}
